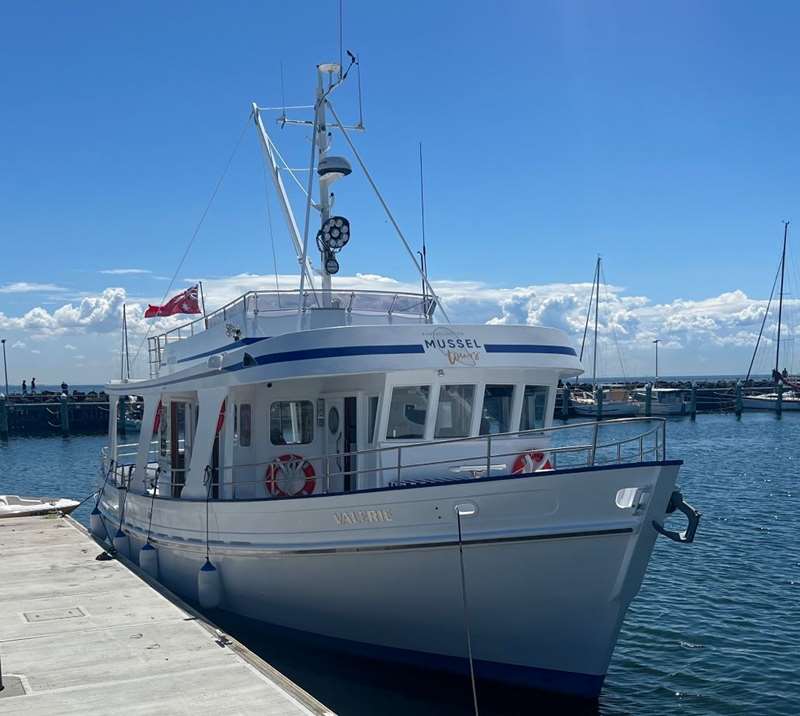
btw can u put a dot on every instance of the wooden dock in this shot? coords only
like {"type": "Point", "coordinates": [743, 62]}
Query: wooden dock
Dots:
{"type": "Point", "coordinates": [81, 635]}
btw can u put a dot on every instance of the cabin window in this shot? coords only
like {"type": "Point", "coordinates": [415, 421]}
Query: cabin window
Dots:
{"type": "Point", "coordinates": [534, 404]}
{"type": "Point", "coordinates": [291, 422]}
{"type": "Point", "coordinates": [454, 417]}
{"type": "Point", "coordinates": [245, 415]}
{"type": "Point", "coordinates": [407, 413]}
{"type": "Point", "coordinates": [496, 415]}
{"type": "Point", "coordinates": [373, 418]}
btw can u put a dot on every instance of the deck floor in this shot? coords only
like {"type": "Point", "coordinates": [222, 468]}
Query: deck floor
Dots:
{"type": "Point", "coordinates": [80, 635]}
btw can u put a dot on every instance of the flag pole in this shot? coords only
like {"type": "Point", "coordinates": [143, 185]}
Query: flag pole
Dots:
{"type": "Point", "coordinates": [203, 304]}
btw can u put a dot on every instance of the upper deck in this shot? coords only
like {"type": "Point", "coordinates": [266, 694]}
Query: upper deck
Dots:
{"type": "Point", "coordinates": [261, 314]}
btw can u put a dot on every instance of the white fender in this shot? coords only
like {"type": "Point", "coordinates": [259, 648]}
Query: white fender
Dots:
{"type": "Point", "coordinates": [148, 560]}
{"type": "Point", "coordinates": [209, 586]}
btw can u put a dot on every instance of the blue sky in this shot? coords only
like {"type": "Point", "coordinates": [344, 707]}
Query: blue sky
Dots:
{"type": "Point", "coordinates": [662, 136]}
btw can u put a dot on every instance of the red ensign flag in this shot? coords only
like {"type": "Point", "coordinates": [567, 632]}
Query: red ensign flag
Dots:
{"type": "Point", "coordinates": [185, 302]}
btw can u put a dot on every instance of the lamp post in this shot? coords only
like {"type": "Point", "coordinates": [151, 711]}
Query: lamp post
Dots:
{"type": "Point", "coordinates": [5, 366]}
{"type": "Point", "coordinates": [657, 341]}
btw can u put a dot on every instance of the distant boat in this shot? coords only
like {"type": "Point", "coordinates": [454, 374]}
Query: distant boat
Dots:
{"type": "Point", "coordinates": [618, 400]}
{"type": "Point", "coordinates": [16, 506]}
{"type": "Point", "coordinates": [790, 400]}
{"type": "Point", "coordinates": [663, 401]}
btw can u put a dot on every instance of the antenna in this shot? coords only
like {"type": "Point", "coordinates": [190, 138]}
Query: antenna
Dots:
{"type": "Point", "coordinates": [282, 120]}
{"type": "Point", "coordinates": [422, 211]}
{"type": "Point", "coordinates": [341, 58]}
{"type": "Point", "coordinates": [360, 107]}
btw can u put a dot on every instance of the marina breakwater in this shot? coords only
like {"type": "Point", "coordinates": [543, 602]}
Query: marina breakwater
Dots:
{"type": "Point", "coordinates": [53, 413]}
{"type": "Point", "coordinates": [722, 395]}
{"type": "Point", "coordinates": [50, 412]}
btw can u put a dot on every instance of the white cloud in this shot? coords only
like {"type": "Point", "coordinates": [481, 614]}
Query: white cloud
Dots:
{"type": "Point", "coordinates": [125, 271]}
{"type": "Point", "coordinates": [34, 350]}
{"type": "Point", "coordinates": [27, 287]}
{"type": "Point", "coordinates": [18, 344]}
{"type": "Point", "coordinates": [714, 333]}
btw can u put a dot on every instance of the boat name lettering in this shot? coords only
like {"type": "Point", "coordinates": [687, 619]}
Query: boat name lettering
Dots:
{"type": "Point", "coordinates": [454, 346]}
{"type": "Point", "coordinates": [445, 343]}
{"type": "Point", "coordinates": [359, 517]}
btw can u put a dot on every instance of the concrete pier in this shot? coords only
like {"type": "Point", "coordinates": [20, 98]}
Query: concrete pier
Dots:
{"type": "Point", "coordinates": [80, 635]}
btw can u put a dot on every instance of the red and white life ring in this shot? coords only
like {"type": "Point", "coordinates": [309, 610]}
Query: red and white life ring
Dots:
{"type": "Point", "coordinates": [289, 476]}
{"type": "Point", "coordinates": [529, 462]}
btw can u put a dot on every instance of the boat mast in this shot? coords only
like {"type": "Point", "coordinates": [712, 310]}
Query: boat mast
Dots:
{"type": "Point", "coordinates": [589, 308]}
{"type": "Point", "coordinates": [780, 297]}
{"type": "Point", "coordinates": [323, 144]}
{"type": "Point", "coordinates": [596, 305]}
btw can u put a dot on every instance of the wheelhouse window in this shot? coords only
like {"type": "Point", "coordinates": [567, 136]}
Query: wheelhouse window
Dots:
{"type": "Point", "coordinates": [291, 422]}
{"type": "Point", "coordinates": [454, 416]}
{"type": "Point", "coordinates": [245, 416]}
{"type": "Point", "coordinates": [407, 413]}
{"type": "Point", "coordinates": [496, 414]}
{"type": "Point", "coordinates": [534, 404]}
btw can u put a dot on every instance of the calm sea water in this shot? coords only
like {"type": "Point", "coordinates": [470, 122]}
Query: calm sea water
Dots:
{"type": "Point", "coordinates": [714, 630]}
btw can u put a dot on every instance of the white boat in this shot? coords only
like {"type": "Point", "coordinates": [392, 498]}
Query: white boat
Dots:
{"type": "Point", "coordinates": [16, 506]}
{"type": "Point", "coordinates": [790, 399]}
{"type": "Point", "coordinates": [618, 402]}
{"type": "Point", "coordinates": [769, 401]}
{"type": "Point", "coordinates": [338, 462]}
{"type": "Point", "coordinates": [663, 401]}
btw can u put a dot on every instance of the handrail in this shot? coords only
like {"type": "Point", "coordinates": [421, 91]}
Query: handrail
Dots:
{"type": "Point", "coordinates": [592, 453]}
{"type": "Point", "coordinates": [422, 301]}
{"type": "Point", "coordinates": [396, 465]}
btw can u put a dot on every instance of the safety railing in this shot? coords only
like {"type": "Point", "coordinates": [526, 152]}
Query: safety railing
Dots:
{"type": "Point", "coordinates": [254, 303]}
{"type": "Point", "coordinates": [475, 457]}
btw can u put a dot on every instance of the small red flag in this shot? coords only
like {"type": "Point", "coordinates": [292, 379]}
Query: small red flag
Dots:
{"type": "Point", "coordinates": [185, 302]}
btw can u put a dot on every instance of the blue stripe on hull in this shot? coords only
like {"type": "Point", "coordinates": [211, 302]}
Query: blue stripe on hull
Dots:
{"type": "Point", "coordinates": [585, 686]}
{"type": "Point", "coordinates": [529, 348]}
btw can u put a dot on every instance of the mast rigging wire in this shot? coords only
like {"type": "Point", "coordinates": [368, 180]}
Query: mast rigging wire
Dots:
{"type": "Point", "coordinates": [271, 234]}
{"type": "Point", "coordinates": [389, 214]}
{"type": "Point", "coordinates": [197, 228]}
{"type": "Point", "coordinates": [764, 321]}
{"type": "Point", "coordinates": [612, 324]}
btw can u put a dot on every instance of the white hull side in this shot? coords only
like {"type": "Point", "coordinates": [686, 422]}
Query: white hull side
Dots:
{"type": "Point", "coordinates": [611, 408]}
{"type": "Point", "coordinates": [551, 565]}
{"type": "Point", "coordinates": [770, 403]}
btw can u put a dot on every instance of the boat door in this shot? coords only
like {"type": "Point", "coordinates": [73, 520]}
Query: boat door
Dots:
{"type": "Point", "coordinates": [341, 438]}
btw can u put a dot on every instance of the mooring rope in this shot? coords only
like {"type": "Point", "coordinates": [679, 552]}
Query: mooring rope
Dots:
{"type": "Point", "coordinates": [466, 613]}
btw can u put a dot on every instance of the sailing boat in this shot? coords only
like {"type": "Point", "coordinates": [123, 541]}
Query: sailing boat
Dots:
{"type": "Point", "coordinates": [347, 463]}
{"type": "Point", "coordinates": [617, 400]}
{"type": "Point", "coordinates": [789, 400]}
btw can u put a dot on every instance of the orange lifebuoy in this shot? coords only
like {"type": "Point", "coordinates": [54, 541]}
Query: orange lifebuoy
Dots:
{"type": "Point", "coordinates": [530, 462]}
{"type": "Point", "coordinates": [289, 469]}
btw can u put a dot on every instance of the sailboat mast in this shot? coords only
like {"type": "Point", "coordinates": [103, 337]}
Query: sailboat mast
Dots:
{"type": "Point", "coordinates": [596, 305]}
{"type": "Point", "coordinates": [588, 312]}
{"type": "Point", "coordinates": [780, 297]}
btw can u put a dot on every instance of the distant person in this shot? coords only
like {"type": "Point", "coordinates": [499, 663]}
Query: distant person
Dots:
{"type": "Point", "coordinates": [24, 388]}
{"type": "Point", "coordinates": [33, 385]}
{"type": "Point", "coordinates": [64, 387]}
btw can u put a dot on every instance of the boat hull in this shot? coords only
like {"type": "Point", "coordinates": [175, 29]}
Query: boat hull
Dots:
{"type": "Point", "coordinates": [611, 408]}
{"type": "Point", "coordinates": [15, 506]}
{"type": "Point", "coordinates": [769, 402]}
{"type": "Point", "coordinates": [551, 563]}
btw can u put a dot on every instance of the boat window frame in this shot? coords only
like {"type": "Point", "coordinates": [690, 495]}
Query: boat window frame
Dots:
{"type": "Point", "coordinates": [438, 386]}
{"type": "Point", "coordinates": [514, 411]}
{"type": "Point", "coordinates": [431, 407]}
{"type": "Point", "coordinates": [313, 431]}
{"type": "Point", "coordinates": [543, 389]}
